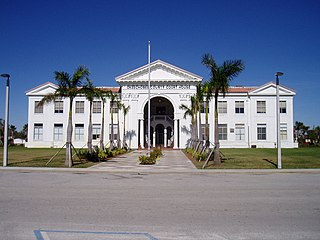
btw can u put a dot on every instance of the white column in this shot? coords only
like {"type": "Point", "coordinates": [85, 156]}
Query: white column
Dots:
{"type": "Point", "coordinates": [142, 133]}
{"type": "Point", "coordinates": [165, 137]}
{"type": "Point", "coordinates": [154, 138]}
{"type": "Point", "coordinates": [175, 141]}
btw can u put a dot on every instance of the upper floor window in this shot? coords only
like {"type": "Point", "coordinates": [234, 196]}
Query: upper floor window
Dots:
{"type": "Point", "coordinates": [96, 107]}
{"type": "Point", "coordinates": [203, 107]}
{"type": "Point", "coordinates": [239, 107]}
{"type": "Point", "coordinates": [38, 131]}
{"type": "Point", "coordinates": [58, 106]}
{"type": "Point", "coordinates": [222, 107]}
{"type": "Point", "coordinates": [115, 109]}
{"type": "Point", "coordinates": [223, 131]}
{"type": "Point", "coordinates": [38, 108]}
{"type": "Point", "coordinates": [283, 106]}
{"type": "Point", "coordinates": [79, 106]}
{"type": "Point", "coordinates": [261, 107]}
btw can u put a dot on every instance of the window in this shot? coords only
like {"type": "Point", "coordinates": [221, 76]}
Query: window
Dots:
{"type": "Point", "coordinates": [38, 131]}
{"type": "Point", "coordinates": [38, 108]}
{"type": "Point", "coordinates": [79, 106]}
{"type": "Point", "coordinates": [262, 132]}
{"type": "Point", "coordinates": [223, 131]}
{"type": "Point", "coordinates": [96, 107]}
{"type": "Point", "coordinates": [283, 131]}
{"type": "Point", "coordinates": [239, 107]}
{"type": "Point", "coordinates": [283, 106]}
{"type": "Point", "coordinates": [58, 106]}
{"type": "Point", "coordinates": [115, 109]}
{"type": "Point", "coordinates": [240, 132]}
{"type": "Point", "coordinates": [203, 107]}
{"type": "Point", "coordinates": [261, 107]}
{"type": "Point", "coordinates": [58, 132]}
{"type": "Point", "coordinates": [203, 131]}
{"type": "Point", "coordinates": [222, 106]}
{"type": "Point", "coordinates": [96, 130]}
{"type": "Point", "coordinates": [79, 132]}
{"type": "Point", "coordinates": [115, 131]}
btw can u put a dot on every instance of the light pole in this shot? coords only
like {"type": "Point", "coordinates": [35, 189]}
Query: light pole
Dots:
{"type": "Point", "coordinates": [278, 120]}
{"type": "Point", "coordinates": [6, 121]}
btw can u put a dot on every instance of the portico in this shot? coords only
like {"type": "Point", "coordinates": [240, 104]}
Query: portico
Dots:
{"type": "Point", "coordinates": [170, 86]}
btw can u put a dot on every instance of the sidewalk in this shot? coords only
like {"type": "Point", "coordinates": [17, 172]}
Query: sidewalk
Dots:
{"type": "Point", "coordinates": [172, 160]}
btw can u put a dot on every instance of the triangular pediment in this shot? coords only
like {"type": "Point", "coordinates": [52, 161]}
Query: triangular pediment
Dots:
{"type": "Point", "coordinates": [270, 89]}
{"type": "Point", "coordinates": [42, 89]}
{"type": "Point", "coordinates": [160, 71]}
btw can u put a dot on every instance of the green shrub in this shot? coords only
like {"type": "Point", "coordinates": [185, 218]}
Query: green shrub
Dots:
{"type": "Point", "coordinates": [146, 160]}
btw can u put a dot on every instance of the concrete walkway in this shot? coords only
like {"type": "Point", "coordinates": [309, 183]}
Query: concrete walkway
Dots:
{"type": "Point", "coordinates": [172, 160]}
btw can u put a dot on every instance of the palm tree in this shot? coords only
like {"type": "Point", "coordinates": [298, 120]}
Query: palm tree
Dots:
{"type": "Point", "coordinates": [91, 92]}
{"type": "Point", "coordinates": [220, 77]}
{"type": "Point", "coordinates": [12, 131]}
{"type": "Point", "coordinates": [119, 107]}
{"type": "Point", "coordinates": [102, 95]}
{"type": "Point", "coordinates": [68, 87]}
{"type": "Point", "coordinates": [125, 112]}
{"type": "Point", "coordinates": [199, 101]}
{"type": "Point", "coordinates": [190, 111]}
{"type": "Point", "coordinates": [113, 99]}
{"type": "Point", "coordinates": [207, 91]}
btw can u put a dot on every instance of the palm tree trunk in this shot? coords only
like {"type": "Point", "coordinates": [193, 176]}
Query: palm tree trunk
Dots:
{"type": "Point", "coordinates": [124, 141]}
{"type": "Point", "coordinates": [207, 123]}
{"type": "Point", "coordinates": [102, 128]}
{"type": "Point", "coordinates": [216, 159]}
{"type": "Point", "coordinates": [118, 130]}
{"type": "Point", "coordinates": [69, 161]}
{"type": "Point", "coordinates": [112, 134]}
{"type": "Point", "coordinates": [200, 128]}
{"type": "Point", "coordinates": [89, 143]}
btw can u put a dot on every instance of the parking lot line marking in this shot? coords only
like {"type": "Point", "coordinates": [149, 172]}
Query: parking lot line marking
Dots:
{"type": "Point", "coordinates": [43, 234]}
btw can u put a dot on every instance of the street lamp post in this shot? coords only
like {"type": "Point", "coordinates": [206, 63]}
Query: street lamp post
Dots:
{"type": "Point", "coordinates": [278, 120]}
{"type": "Point", "coordinates": [6, 121]}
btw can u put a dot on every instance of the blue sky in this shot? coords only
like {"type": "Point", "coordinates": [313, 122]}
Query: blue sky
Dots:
{"type": "Point", "coordinates": [110, 38]}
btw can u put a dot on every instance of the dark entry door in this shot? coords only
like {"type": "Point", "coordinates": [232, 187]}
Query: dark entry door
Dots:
{"type": "Point", "coordinates": [159, 134]}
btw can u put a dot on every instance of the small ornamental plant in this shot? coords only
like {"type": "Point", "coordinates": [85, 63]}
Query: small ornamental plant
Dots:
{"type": "Point", "coordinates": [152, 159]}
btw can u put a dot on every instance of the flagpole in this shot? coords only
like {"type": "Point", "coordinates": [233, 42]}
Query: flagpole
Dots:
{"type": "Point", "coordinates": [149, 97]}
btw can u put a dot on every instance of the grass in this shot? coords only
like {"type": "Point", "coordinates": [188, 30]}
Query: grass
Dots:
{"type": "Point", "coordinates": [265, 158]}
{"type": "Point", "coordinates": [19, 156]}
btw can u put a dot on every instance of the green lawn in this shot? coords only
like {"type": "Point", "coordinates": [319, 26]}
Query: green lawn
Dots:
{"type": "Point", "coordinates": [264, 158]}
{"type": "Point", "coordinates": [37, 157]}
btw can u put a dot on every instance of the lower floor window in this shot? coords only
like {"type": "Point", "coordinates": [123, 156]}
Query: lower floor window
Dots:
{"type": "Point", "coordinates": [203, 131]}
{"type": "Point", "coordinates": [38, 131]}
{"type": "Point", "coordinates": [58, 132]}
{"type": "Point", "coordinates": [223, 131]}
{"type": "Point", "coordinates": [115, 131]}
{"type": "Point", "coordinates": [79, 132]}
{"type": "Point", "coordinates": [283, 131]}
{"type": "Point", "coordinates": [96, 129]}
{"type": "Point", "coordinates": [240, 132]}
{"type": "Point", "coordinates": [262, 132]}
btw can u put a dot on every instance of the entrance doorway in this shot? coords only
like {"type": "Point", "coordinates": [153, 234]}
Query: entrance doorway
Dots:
{"type": "Point", "coordinates": [161, 122]}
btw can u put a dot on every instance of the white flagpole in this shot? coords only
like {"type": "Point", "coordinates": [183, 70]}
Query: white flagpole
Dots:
{"type": "Point", "coordinates": [149, 98]}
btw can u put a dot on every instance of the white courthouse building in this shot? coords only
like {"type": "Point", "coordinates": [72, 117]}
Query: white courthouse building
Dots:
{"type": "Point", "coordinates": [247, 115]}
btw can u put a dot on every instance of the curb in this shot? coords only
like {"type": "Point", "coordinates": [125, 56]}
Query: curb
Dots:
{"type": "Point", "coordinates": [161, 171]}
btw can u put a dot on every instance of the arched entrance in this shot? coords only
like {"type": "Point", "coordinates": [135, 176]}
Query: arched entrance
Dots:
{"type": "Point", "coordinates": [161, 122]}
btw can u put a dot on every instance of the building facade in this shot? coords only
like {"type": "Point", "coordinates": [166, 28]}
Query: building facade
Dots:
{"type": "Point", "coordinates": [247, 115]}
